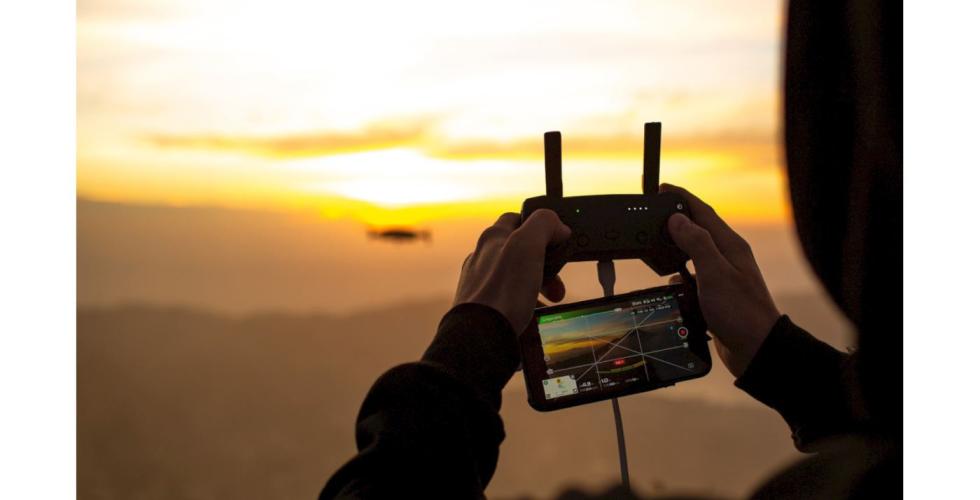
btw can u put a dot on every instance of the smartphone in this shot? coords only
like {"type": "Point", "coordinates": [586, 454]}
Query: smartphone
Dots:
{"type": "Point", "coordinates": [598, 349]}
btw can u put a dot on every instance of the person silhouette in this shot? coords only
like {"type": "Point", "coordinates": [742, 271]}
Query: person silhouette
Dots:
{"type": "Point", "coordinates": [431, 428]}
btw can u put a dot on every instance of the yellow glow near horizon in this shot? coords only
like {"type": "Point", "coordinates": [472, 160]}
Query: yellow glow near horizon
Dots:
{"type": "Point", "coordinates": [404, 113]}
{"type": "Point", "coordinates": [402, 177]}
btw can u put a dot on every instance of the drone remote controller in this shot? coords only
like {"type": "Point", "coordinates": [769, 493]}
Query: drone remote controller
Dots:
{"type": "Point", "coordinates": [612, 226]}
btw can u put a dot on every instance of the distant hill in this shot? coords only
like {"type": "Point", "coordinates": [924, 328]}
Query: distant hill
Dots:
{"type": "Point", "coordinates": [241, 261]}
{"type": "Point", "coordinates": [177, 403]}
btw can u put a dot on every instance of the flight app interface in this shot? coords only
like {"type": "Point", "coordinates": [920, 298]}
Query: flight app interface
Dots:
{"type": "Point", "coordinates": [636, 340]}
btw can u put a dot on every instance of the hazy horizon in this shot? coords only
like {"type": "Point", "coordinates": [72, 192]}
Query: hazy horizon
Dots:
{"type": "Point", "coordinates": [240, 261]}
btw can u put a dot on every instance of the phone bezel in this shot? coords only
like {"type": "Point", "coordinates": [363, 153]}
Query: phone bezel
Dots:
{"type": "Point", "coordinates": [532, 354]}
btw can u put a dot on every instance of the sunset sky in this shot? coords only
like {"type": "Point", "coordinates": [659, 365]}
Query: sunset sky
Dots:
{"type": "Point", "coordinates": [404, 112]}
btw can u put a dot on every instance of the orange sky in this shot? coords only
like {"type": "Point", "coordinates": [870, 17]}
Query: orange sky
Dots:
{"type": "Point", "coordinates": [405, 112]}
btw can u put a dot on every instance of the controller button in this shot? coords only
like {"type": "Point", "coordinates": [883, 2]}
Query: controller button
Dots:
{"type": "Point", "coordinates": [612, 234]}
{"type": "Point", "coordinates": [680, 206]}
{"type": "Point", "coordinates": [642, 237]}
{"type": "Point", "coordinates": [582, 240]}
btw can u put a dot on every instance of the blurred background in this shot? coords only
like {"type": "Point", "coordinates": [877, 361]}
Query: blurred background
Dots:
{"type": "Point", "coordinates": [274, 199]}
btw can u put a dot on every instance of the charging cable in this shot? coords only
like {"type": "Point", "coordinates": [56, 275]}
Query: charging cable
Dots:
{"type": "Point", "coordinates": [607, 278]}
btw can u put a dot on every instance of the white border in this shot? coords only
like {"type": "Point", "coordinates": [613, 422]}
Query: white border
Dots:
{"type": "Point", "coordinates": [942, 90]}
{"type": "Point", "coordinates": [37, 249]}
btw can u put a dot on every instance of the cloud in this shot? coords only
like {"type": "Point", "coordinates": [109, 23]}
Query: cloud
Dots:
{"type": "Point", "coordinates": [751, 147]}
{"type": "Point", "coordinates": [299, 145]}
{"type": "Point", "coordinates": [126, 10]}
{"type": "Point", "coordinates": [597, 146]}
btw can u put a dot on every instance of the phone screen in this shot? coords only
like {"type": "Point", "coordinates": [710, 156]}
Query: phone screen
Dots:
{"type": "Point", "coordinates": [618, 344]}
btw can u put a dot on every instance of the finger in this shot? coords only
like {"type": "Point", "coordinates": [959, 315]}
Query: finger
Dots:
{"type": "Point", "coordinates": [729, 243]}
{"type": "Point", "coordinates": [553, 289]}
{"type": "Point", "coordinates": [696, 242]}
{"type": "Point", "coordinates": [524, 251]}
{"type": "Point", "coordinates": [542, 227]}
{"type": "Point", "coordinates": [508, 220]}
{"type": "Point", "coordinates": [499, 231]}
{"type": "Point", "coordinates": [679, 280]}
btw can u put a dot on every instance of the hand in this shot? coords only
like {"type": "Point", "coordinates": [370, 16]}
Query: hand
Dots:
{"type": "Point", "coordinates": [506, 269]}
{"type": "Point", "coordinates": [734, 298]}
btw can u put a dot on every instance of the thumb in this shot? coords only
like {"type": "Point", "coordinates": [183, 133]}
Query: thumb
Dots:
{"type": "Point", "coordinates": [696, 242]}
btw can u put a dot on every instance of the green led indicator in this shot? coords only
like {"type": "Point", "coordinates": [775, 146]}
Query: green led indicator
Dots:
{"type": "Point", "coordinates": [578, 210]}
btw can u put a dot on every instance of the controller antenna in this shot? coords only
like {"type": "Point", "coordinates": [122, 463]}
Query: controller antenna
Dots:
{"type": "Point", "coordinates": [651, 158]}
{"type": "Point", "coordinates": [552, 164]}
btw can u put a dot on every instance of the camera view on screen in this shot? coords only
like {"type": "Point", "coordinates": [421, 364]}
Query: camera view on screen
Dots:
{"type": "Point", "coordinates": [640, 339]}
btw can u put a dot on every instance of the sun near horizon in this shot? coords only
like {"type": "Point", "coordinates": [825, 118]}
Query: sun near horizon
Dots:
{"type": "Point", "coordinates": [402, 114]}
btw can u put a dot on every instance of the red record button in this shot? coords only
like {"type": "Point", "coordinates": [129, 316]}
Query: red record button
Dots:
{"type": "Point", "coordinates": [682, 332]}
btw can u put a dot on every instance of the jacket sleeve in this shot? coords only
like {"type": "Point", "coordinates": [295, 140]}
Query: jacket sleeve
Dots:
{"type": "Point", "coordinates": [431, 428]}
{"type": "Point", "coordinates": [812, 385]}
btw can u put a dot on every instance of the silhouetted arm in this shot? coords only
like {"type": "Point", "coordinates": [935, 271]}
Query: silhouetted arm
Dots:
{"type": "Point", "coordinates": [431, 429]}
{"type": "Point", "coordinates": [811, 384]}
